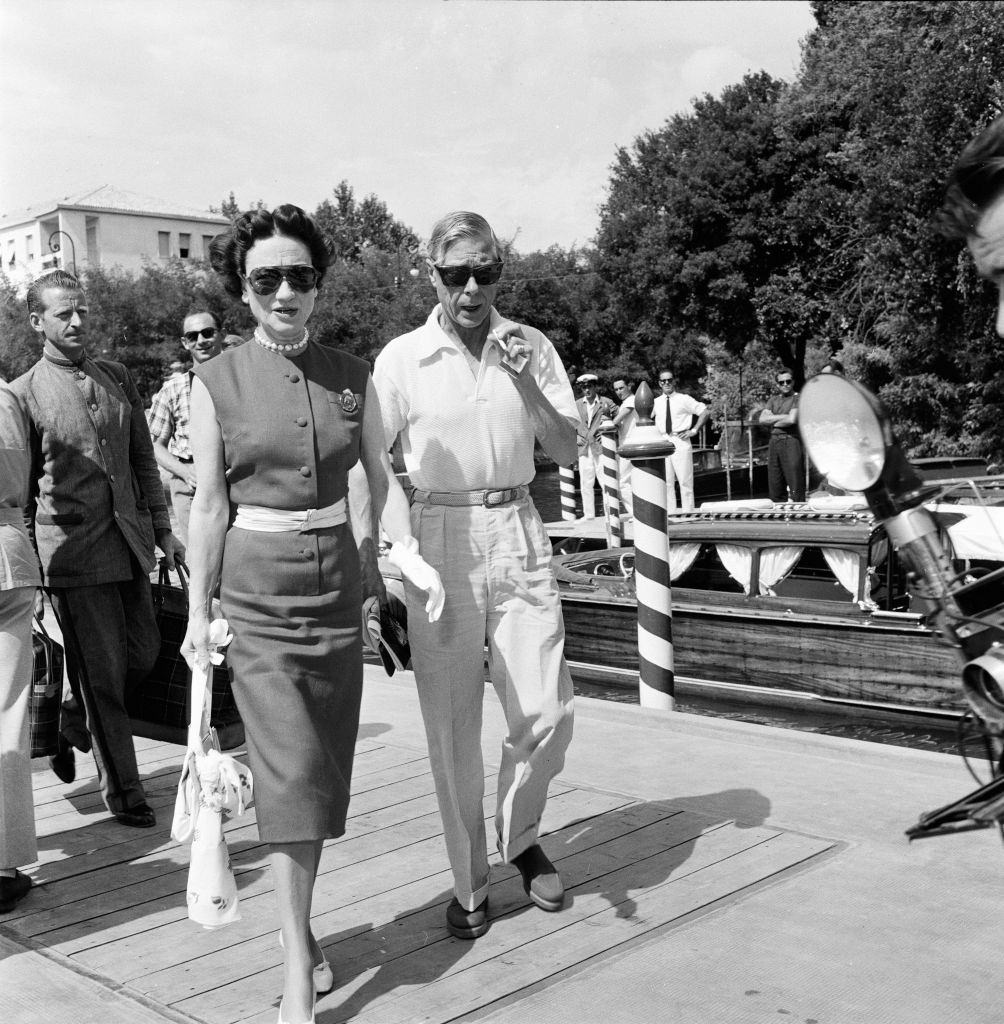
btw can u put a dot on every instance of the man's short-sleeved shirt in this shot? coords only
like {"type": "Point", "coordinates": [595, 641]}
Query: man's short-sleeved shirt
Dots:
{"type": "Point", "coordinates": [682, 409]}
{"type": "Point", "coordinates": [781, 405]}
{"type": "Point", "coordinates": [170, 415]}
{"type": "Point", "coordinates": [458, 432]}
{"type": "Point", "coordinates": [625, 425]}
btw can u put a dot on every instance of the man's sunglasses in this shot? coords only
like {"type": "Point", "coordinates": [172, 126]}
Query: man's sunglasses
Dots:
{"type": "Point", "coordinates": [206, 332]}
{"type": "Point", "coordinates": [666, 380]}
{"type": "Point", "coordinates": [456, 277]}
{"type": "Point", "coordinates": [785, 380]}
{"type": "Point", "coordinates": [266, 280]}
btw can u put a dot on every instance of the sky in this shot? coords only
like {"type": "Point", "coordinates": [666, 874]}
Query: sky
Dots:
{"type": "Point", "coordinates": [513, 108]}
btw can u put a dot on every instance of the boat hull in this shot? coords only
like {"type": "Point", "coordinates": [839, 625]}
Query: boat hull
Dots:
{"type": "Point", "coordinates": [866, 658]}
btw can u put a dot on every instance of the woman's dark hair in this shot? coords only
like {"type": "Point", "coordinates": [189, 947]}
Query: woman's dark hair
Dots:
{"type": "Point", "coordinates": [975, 182]}
{"type": "Point", "coordinates": [228, 251]}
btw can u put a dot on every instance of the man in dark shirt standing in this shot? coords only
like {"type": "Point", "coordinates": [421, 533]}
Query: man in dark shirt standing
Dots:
{"type": "Point", "coordinates": [96, 509]}
{"type": "Point", "coordinates": [785, 459]}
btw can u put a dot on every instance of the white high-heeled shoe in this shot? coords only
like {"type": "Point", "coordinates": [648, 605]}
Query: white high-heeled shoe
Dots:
{"type": "Point", "coordinates": [324, 979]}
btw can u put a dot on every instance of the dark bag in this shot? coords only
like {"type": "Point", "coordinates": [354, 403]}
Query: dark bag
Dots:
{"type": "Point", "coordinates": [46, 692]}
{"type": "Point", "coordinates": [159, 707]}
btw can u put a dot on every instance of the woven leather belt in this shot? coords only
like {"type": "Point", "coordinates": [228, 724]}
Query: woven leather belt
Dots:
{"type": "Point", "coordinates": [489, 499]}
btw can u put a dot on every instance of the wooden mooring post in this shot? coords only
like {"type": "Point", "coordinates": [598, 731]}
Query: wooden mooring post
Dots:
{"type": "Point", "coordinates": [648, 450]}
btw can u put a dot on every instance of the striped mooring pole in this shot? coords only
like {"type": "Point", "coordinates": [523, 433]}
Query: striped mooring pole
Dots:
{"type": "Point", "coordinates": [611, 484]}
{"type": "Point", "coordinates": [648, 450]}
{"type": "Point", "coordinates": [566, 481]}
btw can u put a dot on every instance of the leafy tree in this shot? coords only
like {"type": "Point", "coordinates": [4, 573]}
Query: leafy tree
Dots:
{"type": "Point", "coordinates": [352, 227]}
{"type": "Point", "coordinates": [688, 233]}
{"type": "Point", "coordinates": [894, 91]}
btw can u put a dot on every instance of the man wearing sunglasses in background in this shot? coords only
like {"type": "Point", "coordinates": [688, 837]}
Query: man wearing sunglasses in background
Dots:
{"type": "Point", "coordinates": [170, 412]}
{"type": "Point", "coordinates": [785, 458]}
{"type": "Point", "coordinates": [674, 414]}
{"type": "Point", "coordinates": [469, 392]}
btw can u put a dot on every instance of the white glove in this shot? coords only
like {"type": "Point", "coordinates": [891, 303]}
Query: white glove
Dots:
{"type": "Point", "coordinates": [404, 554]}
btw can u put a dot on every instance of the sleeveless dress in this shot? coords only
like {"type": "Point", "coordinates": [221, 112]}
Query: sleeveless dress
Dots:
{"type": "Point", "coordinates": [291, 429]}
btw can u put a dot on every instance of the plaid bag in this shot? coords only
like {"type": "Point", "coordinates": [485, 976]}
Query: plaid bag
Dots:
{"type": "Point", "coordinates": [46, 692]}
{"type": "Point", "coordinates": [159, 707]}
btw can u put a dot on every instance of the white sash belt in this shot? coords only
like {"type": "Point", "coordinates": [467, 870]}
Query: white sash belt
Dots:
{"type": "Point", "coordinates": [259, 519]}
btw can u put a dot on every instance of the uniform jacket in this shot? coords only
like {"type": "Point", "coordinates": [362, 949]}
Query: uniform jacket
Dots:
{"type": "Point", "coordinates": [587, 438]}
{"type": "Point", "coordinates": [96, 495]}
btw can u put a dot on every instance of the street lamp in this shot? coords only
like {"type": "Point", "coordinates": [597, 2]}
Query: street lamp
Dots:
{"type": "Point", "coordinates": [413, 272]}
{"type": "Point", "coordinates": [54, 247]}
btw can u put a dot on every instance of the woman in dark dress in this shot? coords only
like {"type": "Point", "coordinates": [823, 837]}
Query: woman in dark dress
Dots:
{"type": "Point", "coordinates": [276, 425]}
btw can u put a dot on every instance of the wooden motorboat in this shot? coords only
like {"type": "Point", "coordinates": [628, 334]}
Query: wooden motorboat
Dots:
{"type": "Point", "coordinates": [787, 598]}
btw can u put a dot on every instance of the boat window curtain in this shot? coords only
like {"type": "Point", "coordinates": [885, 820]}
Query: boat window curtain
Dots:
{"type": "Point", "coordinates": [775, 564]}
{"type": "Point", "coordinates": [681, 558]}
{"type": "Point", "coordinates": [846, 566]}
{"type": "Point", "coordinates": [738, 562]}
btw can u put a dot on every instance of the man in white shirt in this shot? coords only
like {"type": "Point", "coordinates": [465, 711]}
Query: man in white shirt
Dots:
{"type": "Point", "coordinates": [625, 419]}
{"type": "Point", "coordinates": [468, 393]}
{"type": "Point", "coordinates": [594, 409]}
{"type": "Point", "coordinates": [674, 416]}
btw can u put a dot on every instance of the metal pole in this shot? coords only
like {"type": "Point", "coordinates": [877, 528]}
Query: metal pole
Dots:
{"type": "Point", "coordinates": [749, 434]}
{"type": "Point", "coordinates": [728, 457]}
{"type": "Point", "coordinates": [648, 450]}
{"type": "Point", "coordinates": [566, 481]}
{"type": "Point", "coordinates": [611, 484]}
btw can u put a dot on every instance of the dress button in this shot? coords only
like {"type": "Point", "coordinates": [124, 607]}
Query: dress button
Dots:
{"type": "Point", "coordinates": [79, 375]}
{"type": "Point", "coordinates": [305, 471]}
{"type": "Point", "coordinates": [294, 378]}
{"type": "Point", "coordinates": [115, 514]}
{"type": "Point", "coordinates": [104, 441]}
{"type": "Point", "coordinates": [309, 555]}
{"type": "Point", "coordinates": [111, 476]}
{"type": "Point", "coordinates": [301, 421]}
{"type": "Point", "coordinates": [94, 407]}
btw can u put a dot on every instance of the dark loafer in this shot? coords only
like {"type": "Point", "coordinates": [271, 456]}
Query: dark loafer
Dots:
{"type": "Point", "coordinates": [467, 924]}
{"type": "Point", "coordinates": [13, 890]}
{"type": "Point", "coordinates": [540, 878]}
{"type": "Point", "coordinates": [63, 762]}
{"type": "Point", "coordinates": [140, 816]}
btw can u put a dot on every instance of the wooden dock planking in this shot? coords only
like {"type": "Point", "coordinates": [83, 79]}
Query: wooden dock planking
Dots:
{"type": "Point", "coordinates": [112, 901]}
{"type": "Point", "coordinates": [396, 898]}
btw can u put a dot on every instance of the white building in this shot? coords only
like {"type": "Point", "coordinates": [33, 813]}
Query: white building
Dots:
{"type": "Point", "coordinates": [104, 227]}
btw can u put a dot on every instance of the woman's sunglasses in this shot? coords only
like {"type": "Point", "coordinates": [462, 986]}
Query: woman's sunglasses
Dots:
{"type": "Point", "coordinates": [266, 280]}
{"type": "Point", "coordinates": [455, 277]}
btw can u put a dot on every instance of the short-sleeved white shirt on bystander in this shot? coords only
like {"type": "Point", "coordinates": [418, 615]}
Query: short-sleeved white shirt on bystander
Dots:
{"type": "Point", "coordinates": [681, 410]}
{"type": "Point", "coordinates": [458, 432]}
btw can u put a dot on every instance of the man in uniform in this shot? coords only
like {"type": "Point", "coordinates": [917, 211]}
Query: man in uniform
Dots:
{"type": "Point", "coordinates": [96, 509]}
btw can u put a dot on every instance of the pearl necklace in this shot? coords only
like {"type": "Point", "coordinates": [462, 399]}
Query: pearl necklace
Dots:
{"type": "Point", "coordinates": [290, 348]}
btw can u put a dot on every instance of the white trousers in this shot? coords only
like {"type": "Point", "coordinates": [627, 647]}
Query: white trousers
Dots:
{"type": "Point", "coordinates": [17, 808]}
{"type": "Point", "coordinates": [495, 564]}
{"type": "Point", "coordinates": [624, 475]}
{"type": "Point", "coordinates": [591, 469]}
{"type": "Point", "coordinates": [680, 469]}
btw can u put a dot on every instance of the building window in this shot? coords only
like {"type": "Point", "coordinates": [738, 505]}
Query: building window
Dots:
{"type": "Point", "coordinates": [163, 244]}
{"type": "Point", "coordinates": [206, 239]}
{"type": "Point", "coordinates": [184, 245]}
{"type": "Point", "coordinates": [27, 245]}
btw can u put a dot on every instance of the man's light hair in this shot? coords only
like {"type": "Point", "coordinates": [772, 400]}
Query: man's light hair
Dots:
{"type": "Point", "coordinates": [457, 225]}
